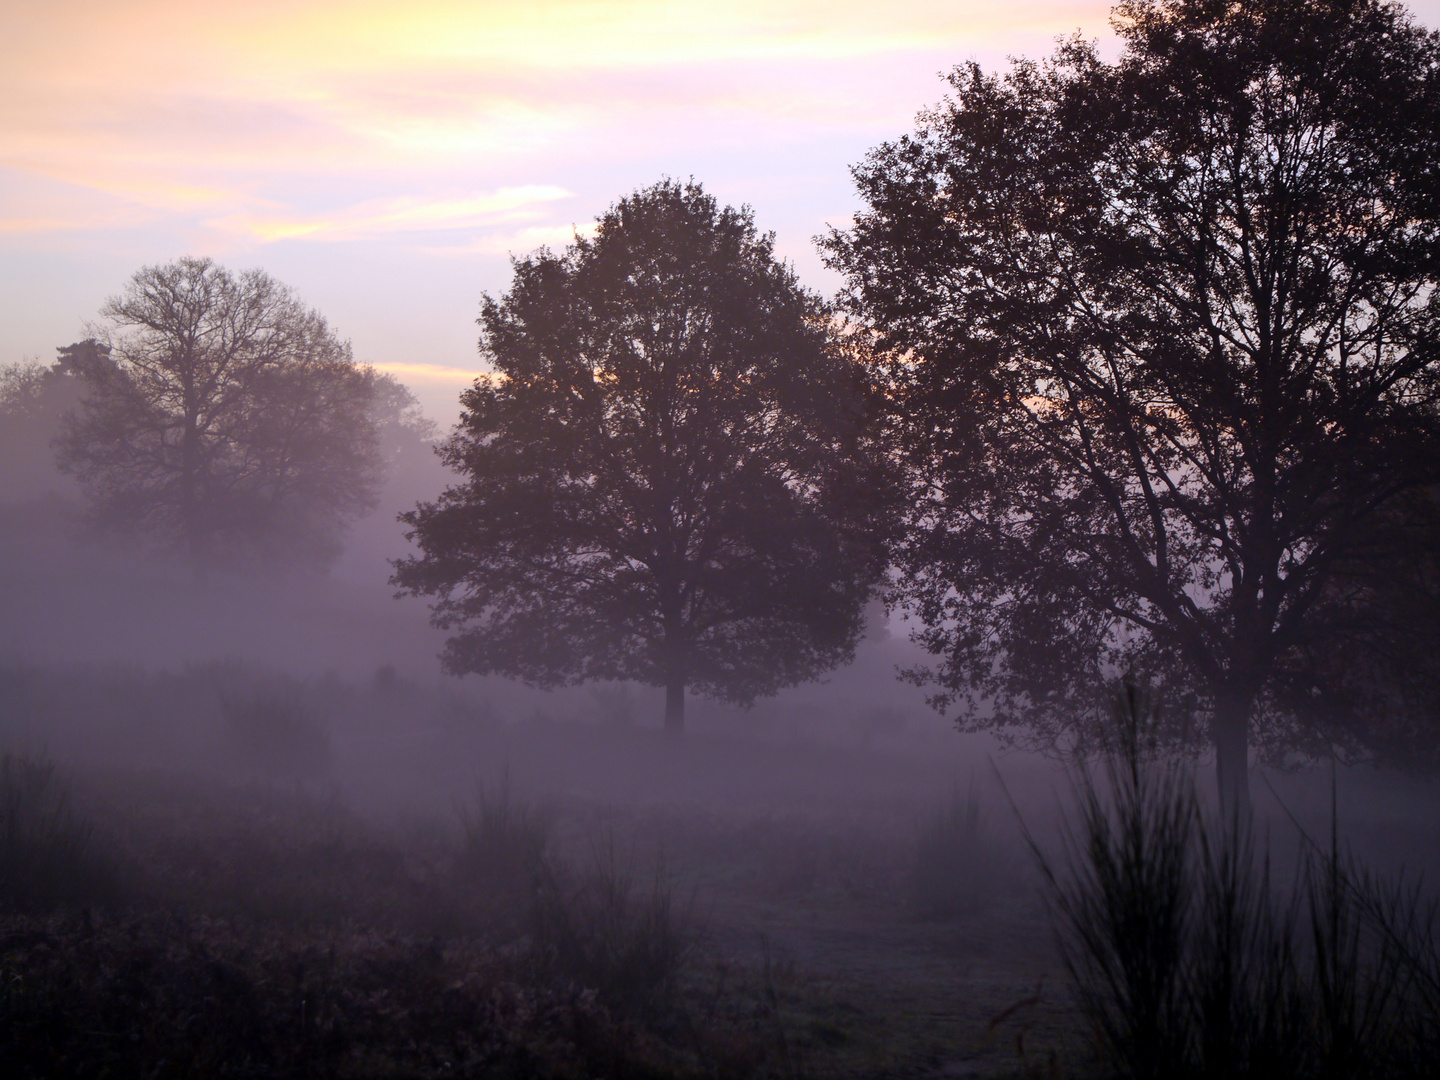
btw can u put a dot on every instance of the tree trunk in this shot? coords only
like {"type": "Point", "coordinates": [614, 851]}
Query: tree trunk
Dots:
{"type": "Point", "coordinates": [675, 706]}
{"type": "Point", "coordinates": [195, 540]}
{"type": "Point", "coordinates": [1231, 723]}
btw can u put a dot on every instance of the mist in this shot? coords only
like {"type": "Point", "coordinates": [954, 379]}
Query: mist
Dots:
{"type": "Point", "coordinates": [846, 878]}
{"type": "Point", "coordinates": [1022, 661]}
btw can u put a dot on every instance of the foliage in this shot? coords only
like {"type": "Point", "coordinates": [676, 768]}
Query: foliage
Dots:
{"type": "Point", "coordinates": [1367, 677]}
{"type": "Point", "coordinates": [33, 400]}
{"type": "Point", "coordinates": [1164, 348]}
{"type": "Point", "coordinates": [224, 419]}
{"type": "Point", "coordinates": [669, 478]}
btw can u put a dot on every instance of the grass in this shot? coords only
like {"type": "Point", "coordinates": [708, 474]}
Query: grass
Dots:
{"type": "Point", "coordinates": [505, 850]}
{"type": "Point", "coordinates": [604, 925]}
{"type": "Point", "coordinates": [277, 938]}
{"type": "Point", "coordinates": [269, 725]}
{"type": "Point", "coordinates": [49, 856]}
{"type": "Point", "coordinates": [1186, 960]}
{"type": "Point", "coordinates": [163, 997]}
{"type": "Point", "coordinates": [960, 866]}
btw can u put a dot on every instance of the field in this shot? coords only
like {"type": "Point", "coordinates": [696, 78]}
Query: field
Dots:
{"type": "Point", "coordinates": [717, 904]}
{"type": "Point", "coordinates": [223, 870]}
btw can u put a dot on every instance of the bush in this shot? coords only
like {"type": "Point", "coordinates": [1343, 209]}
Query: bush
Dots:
{"type": "Point", "coordinates": [48, 855]}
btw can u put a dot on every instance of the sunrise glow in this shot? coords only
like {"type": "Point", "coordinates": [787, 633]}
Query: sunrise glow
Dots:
{"type": "Point", "coordinates": [386, 159]}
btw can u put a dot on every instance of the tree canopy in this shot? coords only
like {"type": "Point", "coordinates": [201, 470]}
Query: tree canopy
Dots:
{"type": "Point", "coordinates": [669, 477]}
{"type": "Point", "coordinates": [1164, 340]}
{"type": "Point", "coordinates": [222, 418]}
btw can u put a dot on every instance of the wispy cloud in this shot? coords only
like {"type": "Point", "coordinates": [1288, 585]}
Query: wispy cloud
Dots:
{"type": "Point", "coordinates": [516, 241]}
{"type": "Point", "coordinates": [215, 111]}
{"type": "Point", "coordinates": [404, 214]}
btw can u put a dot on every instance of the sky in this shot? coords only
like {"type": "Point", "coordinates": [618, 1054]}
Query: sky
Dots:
{"type": "Point", "coordinates": [386, 159]}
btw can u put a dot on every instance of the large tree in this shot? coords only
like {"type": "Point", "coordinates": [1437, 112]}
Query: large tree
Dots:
{"type": "Point", "coordinates": [1164, 333]}
{"type": "Point", "coordinates": [669, 476]}
{"type": "Point", "coordinates": [223, 418]}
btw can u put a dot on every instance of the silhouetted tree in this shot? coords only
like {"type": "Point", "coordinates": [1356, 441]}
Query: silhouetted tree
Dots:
{"type": "Point", "coordinates": [34, 399]}
{"type": "Point", "coordinates": [668, 478]}
{"type": "Point", "coordinates": [222, 417]}
{"type": "Point", "coordinates": [1165, 341]}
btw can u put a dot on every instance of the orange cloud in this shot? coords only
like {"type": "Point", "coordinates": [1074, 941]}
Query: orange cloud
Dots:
{"type": "Point", "coordinates": [432, 373]}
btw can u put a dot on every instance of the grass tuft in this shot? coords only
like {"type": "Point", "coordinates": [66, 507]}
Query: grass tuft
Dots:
{"type": "Point", "coordinates": [48, 854]}
{"type": "Point", "coordinates": [271, 728]}
{"type": "Point", "coordinates": [504, 850]}
{"type": "Point", "coordinates": [605, 927]}
{"type": "Point", "coordinates": [959, 865]}
{"type": "Point", "coordinates": [1187, 962]}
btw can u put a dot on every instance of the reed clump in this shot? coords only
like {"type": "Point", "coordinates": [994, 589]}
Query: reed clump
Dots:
{"type": "Point", "coordinates": [49, 855]}
{"type": "Point", "coordinates": [1188, 961]}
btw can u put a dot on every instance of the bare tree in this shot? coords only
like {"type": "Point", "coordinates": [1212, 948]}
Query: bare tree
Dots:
{"type": "Point", "coordinates": [226, 419]}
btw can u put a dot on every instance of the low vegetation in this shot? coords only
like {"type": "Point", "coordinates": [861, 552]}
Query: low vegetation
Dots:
{"type": "Point", "coordinates": [1188, 961]}
{"type": "Point", "coordinates": [168, 921]}
{"type": "Point", "coordinates": [48, 854]}
{"type": "Point", "coordinates": [242, 930]}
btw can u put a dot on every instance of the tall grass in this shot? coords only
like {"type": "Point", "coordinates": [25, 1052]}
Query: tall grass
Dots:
{"type": "Point", "coordinates": [1123, 901]}
{"type": "Point", "coordinates": [271, 727]}
{"type": "Point", "coordinates": [600, 925]}
{"type": "Point", "coordinates": [1188, 962]}
{"type": "Point", "coordinates": [959, 865]}
{"type": "Point", "coordinates": [49, 856]}
{"type": "Point", "coordinates": [609, 928]}
{"type": "Point", "coordinates": [504, 848]}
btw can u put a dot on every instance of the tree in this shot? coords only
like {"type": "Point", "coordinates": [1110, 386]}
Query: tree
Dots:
{"type": "Point", "coordinates": [1164, 334]}
{"type": "Point", "coordinates": [34, 399]}
{"type": "Point", "coordinates": [222, 418]}
{"type": "Point", "coordinates": [1365, 681]}
{"type": "Point", "coordinates": [668, 478]}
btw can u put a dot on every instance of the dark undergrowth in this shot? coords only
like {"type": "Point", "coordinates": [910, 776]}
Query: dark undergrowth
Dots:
{"type": "Point", "coordinates": [165, 996]}
{"type": "Point", "coordinates": [253, 933]}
